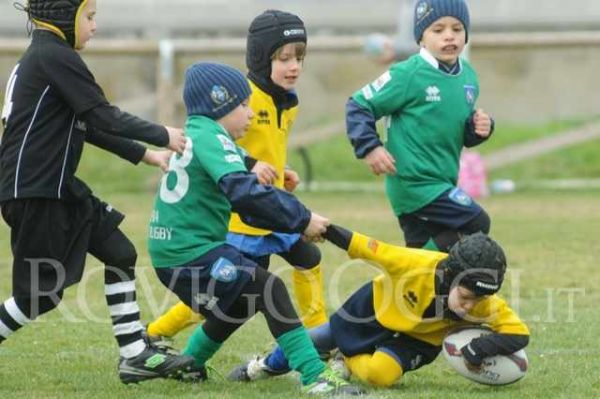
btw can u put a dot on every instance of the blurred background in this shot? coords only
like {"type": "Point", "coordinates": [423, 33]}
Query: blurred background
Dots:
{"type": "Point", "coordinates": [537, 63]}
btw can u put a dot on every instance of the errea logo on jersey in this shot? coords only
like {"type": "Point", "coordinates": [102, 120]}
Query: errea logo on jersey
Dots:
{"type": "Point", "coordinates": [263, 117]}
{"type": "Point", "coordinates": [433, 94]}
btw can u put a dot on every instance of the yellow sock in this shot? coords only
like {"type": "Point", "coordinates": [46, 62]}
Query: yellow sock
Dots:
{"type": "Point", "coordinates": [379, 369]}
{"type": "Point", "coordinates": [308, 287]}
{"type": "Point", "coordinates": [176, 319]}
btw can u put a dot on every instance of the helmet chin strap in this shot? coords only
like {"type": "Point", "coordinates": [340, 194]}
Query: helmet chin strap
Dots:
{"type": "Point", "coordinates": [50, 27]}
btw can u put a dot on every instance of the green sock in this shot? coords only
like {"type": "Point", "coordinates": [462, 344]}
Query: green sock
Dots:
{"type": "Point", "coordinates": [430, 245]}
{"type": "Point", "coordinates": [201, 347]}
{"type": "Point", "coordinates": [301, 354]}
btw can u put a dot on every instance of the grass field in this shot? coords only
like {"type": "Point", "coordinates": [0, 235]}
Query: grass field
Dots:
{"type": "Point", "coordinates": [550, 239]}
{"type": "Point", "coordinates": [333, 159]}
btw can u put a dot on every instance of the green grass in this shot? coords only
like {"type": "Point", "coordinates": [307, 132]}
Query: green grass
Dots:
{"type": "Point", "coordinates": [550, 239]}
{"type": "Point", "coordinates": [580, 161]}
{"type": "Point", "coordinates": [510, 134]}
{"type": "Point", "coordinates": [333, 159]}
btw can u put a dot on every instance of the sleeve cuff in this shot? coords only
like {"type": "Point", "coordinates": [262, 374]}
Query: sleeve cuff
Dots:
{"type": "Point", "coordinates": [249, 162]}
{"type": "Point", "coordinates": [471, 356]}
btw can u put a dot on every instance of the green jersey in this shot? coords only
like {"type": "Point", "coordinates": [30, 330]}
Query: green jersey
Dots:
{"type": "Point", "coordinates": [426, 111]}
{"type": "Point", "coordinates": [191, 214]}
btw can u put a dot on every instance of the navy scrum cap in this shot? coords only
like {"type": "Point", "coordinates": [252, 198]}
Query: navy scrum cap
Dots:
{"type": "Point", "coordinates": [477, 263]}
{"type": "Point", "coordinates": [213, 90]}
{"type": "Point", "coordinates": [429, 11]}
{"type": "Point", "coordinates": [267, 32]}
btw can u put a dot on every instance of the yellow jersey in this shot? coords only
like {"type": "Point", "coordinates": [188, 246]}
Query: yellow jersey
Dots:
{"type": "Point", "coordinates": [406, 290]}
{"type": "Point", "coordinates": [266, 140]}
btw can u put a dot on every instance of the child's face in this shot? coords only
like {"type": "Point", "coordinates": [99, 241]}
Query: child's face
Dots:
{"type": "Point", "coordinates": [237, 121]}
{"type": "Point", "coordinates": [86, 24]}
{"type": "Point", "coordinates": [445, 39]}
{"type": "Point", "coordinates": [462, 300]}
{"type": "Point", "coordinates": [286, 66]}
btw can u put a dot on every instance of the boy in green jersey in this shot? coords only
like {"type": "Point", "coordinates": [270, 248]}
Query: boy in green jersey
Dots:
{"type": "Point", "coordinates": [429, 105]}
{"type": "Point", "coordinates": [276, 46]}
{"type": "Point", "coordinates": [188, 229]}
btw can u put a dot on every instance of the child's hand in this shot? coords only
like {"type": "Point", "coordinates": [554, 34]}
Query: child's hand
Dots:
{"type": "Point", "coordinates": [176, 139]}
{"type": "Point", "coordinates": [316, 228]}
{"type": "Point", "coordinates": [157, 158]}
{"type": "Point", "coordinates": [290, 180]}
{"type": "Point", "coordinates": [380, 161]}
{"type": "Point", "coordinates": [482, 123]}
{"type": "Point", "coordinates": [265, 172]}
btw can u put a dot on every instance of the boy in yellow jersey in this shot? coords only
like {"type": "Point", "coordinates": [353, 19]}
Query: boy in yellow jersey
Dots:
{"type": "Point", "coordinates": [396, 323]}
{"type": "Point", "coordinates": [275, 51]}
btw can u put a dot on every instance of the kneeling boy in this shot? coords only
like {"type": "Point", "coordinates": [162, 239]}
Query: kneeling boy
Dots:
{"type": "Point", "coordinates": [396, 323]}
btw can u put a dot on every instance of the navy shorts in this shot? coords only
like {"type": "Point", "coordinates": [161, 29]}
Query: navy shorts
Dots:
{"type": "Point", "coordinates": [356, 331]}
{"type": "Point", "coordinates": [451, 210]}
{"type": "Point", "coordinates": [211, 283]}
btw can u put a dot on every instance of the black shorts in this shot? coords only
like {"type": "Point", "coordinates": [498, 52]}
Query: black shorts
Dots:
{"type": "Point", "coordinates": [356, 331]}
{"type": "Point", "coordinates": [50, 240]}
{"type": "Point", "coordinates": [451, 210]}
{"type": "Point", "coordinates": [211, 283]}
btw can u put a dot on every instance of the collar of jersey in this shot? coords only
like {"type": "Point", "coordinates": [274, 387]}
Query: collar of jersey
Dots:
{"type": "Point", "coordinates": [431, 60]}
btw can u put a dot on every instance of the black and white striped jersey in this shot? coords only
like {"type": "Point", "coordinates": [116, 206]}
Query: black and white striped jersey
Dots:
{"type": "Point", "coordinates": [52, 106]}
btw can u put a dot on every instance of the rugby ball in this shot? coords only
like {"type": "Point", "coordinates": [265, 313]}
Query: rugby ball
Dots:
{"type": "Point", "coordinates": [496, 370]}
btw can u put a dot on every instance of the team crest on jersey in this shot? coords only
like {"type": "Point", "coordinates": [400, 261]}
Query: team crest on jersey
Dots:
{"type": "Point", "coordinates": [227, 144]}
{"type": "Point", "coordinates": [460, 197]}
{"type": "Point", "coordinates": [223, 270]}
{"type": "Point", "coordinates": [470, 94]}
{"type": "Point", "coordinates": [432, 94]}
{"type": "Point", "coordinates": [219, 95]}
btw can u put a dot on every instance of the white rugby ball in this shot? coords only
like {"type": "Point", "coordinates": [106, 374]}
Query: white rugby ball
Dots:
{"type": "Point", "coordinates": [496, 370]}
